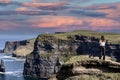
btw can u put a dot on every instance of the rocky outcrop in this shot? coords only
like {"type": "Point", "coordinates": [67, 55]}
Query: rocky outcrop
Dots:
{"type": "Point", "coordinates": [44, 61]}
{"type": "Point", "coordinates": [19, 48]}
{"type": "Point", "coordinates": [11, 46]}
{"type": "Point", "coordinates": [1, 51]}
{"type": "Point", "coordinates": [41, 66]}
{"type": "Point", "coordinates": [87, 67]}
{"type": "Point", "coordinates": [2, 66]}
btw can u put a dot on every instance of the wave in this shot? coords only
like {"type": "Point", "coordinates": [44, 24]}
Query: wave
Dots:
{"type": "Point", "coordinates": [13, 73]}
{"type": "Point", "coordinates": [6, 56]}
{"type": "Point", "coordinates": [10, 58]}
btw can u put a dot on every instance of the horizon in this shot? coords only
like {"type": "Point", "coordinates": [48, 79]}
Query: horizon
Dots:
{"type": "Point", "coordinates": [4, 38]}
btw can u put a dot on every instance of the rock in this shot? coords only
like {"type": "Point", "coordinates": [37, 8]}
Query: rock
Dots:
{"type": "Point", "coordinates": [87, 67]}
{"type": "Point", "coordinates": [1, 51]}
{"type": "Point", "coordinates": [42, 67]}
{"type": "Point", "coordinates": [19, 48]}
{"type": "Point", "coordinates": [2, 66]}
{"type": "Point", "coordinates": [44, 61]}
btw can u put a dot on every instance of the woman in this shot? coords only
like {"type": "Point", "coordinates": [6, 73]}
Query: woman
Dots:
{"type": "Point", "coordinates": [102, 43]}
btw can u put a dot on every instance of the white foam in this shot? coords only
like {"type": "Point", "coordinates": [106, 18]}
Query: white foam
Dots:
{"type": "Point", "coordinates": [11, 58]}
{"type": "Point", "coordinates": [14, 73]}
{"type": "Point", "coordinates": [7, 57]}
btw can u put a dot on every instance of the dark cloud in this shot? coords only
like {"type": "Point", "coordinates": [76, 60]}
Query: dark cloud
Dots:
{"type": "Point", "coordinates": [46, 6]}
{"type": "Point", "coordinates": [88, 13]}
{"type": "Point", "coordinates": [10, 3]}
{"type": "Point", "coordinates": [100, 7]}
{"type": "Point", "coordinates": [26, 13]}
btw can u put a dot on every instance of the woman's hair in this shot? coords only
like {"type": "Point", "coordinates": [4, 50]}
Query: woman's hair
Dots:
{"type": "Point", "coordinates": [102, 38]}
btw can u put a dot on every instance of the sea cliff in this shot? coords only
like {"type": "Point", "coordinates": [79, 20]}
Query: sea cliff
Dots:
{"type": "Point", "coordinates": [51, 51]}
{"type": "Point", "coordinates": [19, 48]}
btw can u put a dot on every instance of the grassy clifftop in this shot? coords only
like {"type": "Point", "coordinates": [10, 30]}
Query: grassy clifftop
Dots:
{"type": "Point", "coordinates": [84, 68]}
{"type": "Point", "coordinates": [23, 50]}
{"type": "Point", "coordinates": [111, 37]}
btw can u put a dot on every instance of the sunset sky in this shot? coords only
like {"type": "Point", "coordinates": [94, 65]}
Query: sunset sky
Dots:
{"type": "Point", "coordinates": [40, 16]}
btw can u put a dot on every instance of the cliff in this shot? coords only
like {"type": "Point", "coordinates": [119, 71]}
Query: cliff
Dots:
{"type": "Point", "coordinates": [52, 50]}
{"type": "Point", "coordinates": [2, 66]}
{"type": "Point", "coordinates": [19, 48]}
{"type": "Point", "coordinates": [1, 51]}
{"type": "Point", "coordinates": [84, 68]}
{"type": "Point", "coordinates": [42, 62]}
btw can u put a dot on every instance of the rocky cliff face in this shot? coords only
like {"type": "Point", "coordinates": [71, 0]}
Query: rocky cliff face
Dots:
{"type": "Point", "coordinates": [91, 69]}
{"type": "Point", "coordinates": [44, 61]}
{"type": "Point", "coordinates": [19, 48]}
{"type": "Point", "coordinates": [90, 45]}
{"type": "Point", "coordinates": [1, 51]}
{"type": "Point", "coordinates": [2, 66]}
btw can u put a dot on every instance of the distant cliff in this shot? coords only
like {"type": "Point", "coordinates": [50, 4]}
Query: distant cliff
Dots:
{"type": "Point", "coordinates": [52, 50]}
{"type": "Point", "coordinates": [19, 48]}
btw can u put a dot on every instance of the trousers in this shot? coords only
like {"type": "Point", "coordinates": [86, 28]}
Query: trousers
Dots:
{"type": "Point", "coordinates": [102, 52]}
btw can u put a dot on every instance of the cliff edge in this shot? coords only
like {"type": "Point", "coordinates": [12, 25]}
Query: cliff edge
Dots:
{"type": "Point", "coordinates": [19, 48]}
{"type": "Point", "coordinates": [52, 50]}
{"type": "Point", "coordinates": [84, 68]}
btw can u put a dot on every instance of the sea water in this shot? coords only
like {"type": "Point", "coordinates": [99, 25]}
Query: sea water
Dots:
{"type": "Point", "coordinates": [13, 68]}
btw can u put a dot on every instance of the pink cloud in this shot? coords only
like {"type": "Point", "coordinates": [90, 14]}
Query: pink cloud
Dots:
{"type": "Point", "coordinates": [22, 9]}
{"type": "Point", "coordinates": [35, 1]}
{"type": "Point", "coordinates": [5, 1]}
{"type": "Point", "coordinates": [55, 21]}
{"type": "Point", "coordinates": [8, 25]}
{"type": "Point", "coordinates": [103, 24]}
{"type": "Point", "coordinates": [112, 10]}
{"type": "Point", "coordinates": [68, 23]}
{"type": "Point", "coordinates": [43, 5]}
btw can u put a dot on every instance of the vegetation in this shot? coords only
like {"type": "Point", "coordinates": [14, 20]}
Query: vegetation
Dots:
{"type": "Point", "coordinates": [22, 51]}
{"type": "Point", "coordinates": [104, 76]}
{"type": "Point", "coordinates": [111, 37]}
{"type": "Point", "coordinates": [64, 58]}
{"type": "Point", "coordinates": [76, 58]}
{"type": "Point", "coordinates": [46, 54]}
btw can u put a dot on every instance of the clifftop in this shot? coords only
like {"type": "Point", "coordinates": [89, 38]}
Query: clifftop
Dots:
{"type": "Point", "coordinates": [84, 68]}
{"type": "Point", "coordinates": [111, 37]}
{"type": "Point", "coordinates": [52, 50]}
{"type": "Point", "coordinates": [19, 48]}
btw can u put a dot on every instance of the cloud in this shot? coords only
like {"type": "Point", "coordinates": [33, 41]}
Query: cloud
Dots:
{"type": "Point", "coordinates": [8, 25]}
{"type": "Point", "coordinates": [46, 6]}
{"type": "Point", "coordinates": [55, 22]}
{"type": "Point", "coordinates": [103, 24]}
{"type": "Point", "coordinates": [22, 9]}
{"type": "Point", "coordinates": [25, 12]}
{"type": "Point", "coordinates": [88, 13]}
{"type": "Point", "coordinates": [9, 2]}
{"type": "Point", "coordinates": [69, 22]}
{"type": "Point", "coordinates": [111, 10]}
{"type": "Point", "coordinates": [5, 1]}
{"type": "Point", "coordinates": [35, 1]}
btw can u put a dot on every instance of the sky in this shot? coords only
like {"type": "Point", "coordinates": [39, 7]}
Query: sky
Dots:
{"type": "Point", "coordinates": [28, 17]}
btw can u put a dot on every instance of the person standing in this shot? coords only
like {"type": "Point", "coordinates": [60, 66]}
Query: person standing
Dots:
{"type": "Point", "coordinates": [102, 43]}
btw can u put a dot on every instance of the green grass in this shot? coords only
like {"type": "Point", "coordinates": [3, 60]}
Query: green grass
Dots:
{"type": "Point", "coordinates": [76, 58]}
{"type": "Point", "coordinates": [111, 37]}
{"type": "Point", "coordinates": [104, 76]}
{"type": "Point", "coordinates": [64, 59]}
{"type": "Point", "coordinates": [47, 54]}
